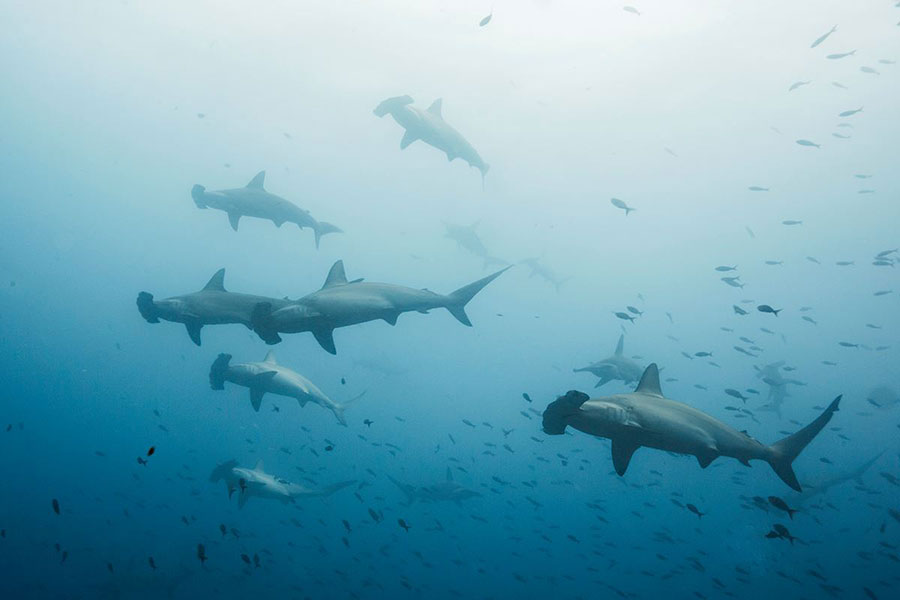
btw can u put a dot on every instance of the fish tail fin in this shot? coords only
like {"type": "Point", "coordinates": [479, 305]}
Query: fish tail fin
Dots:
{"type": "Point", "coordinates": [330, 489]}
{"type": "Point", "coordinates": [783, 452]}
{"type": "Point", "coordinates": [557, 413]}
{"type": "Point", "coordinates": [217, 371]}
{"type": "Point", "coordinates": [147, 308]}
{"type": "Point", "coordinates": [392, 104]}
{"type": "Point", "coordinates": [197, 193]}
{"type": "Point", "coordinates": [456, 301]}
{"type": "Point", "coordinates": [338, 409]}
{"type": "Point", "coordinates": [261, 323]}
{"type": "Point", "coordinates": [323, 228]}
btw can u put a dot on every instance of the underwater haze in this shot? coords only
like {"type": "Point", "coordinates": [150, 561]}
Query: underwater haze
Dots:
{"type": "Point", "coordinates": [514, 295]}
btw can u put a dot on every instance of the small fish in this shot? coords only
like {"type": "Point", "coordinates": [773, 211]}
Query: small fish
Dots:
{"type": "Point", "coordinates": [765, 308]}
{"type": "Point", "coordinates": [151, 562]}
{"type": "Point", "coordinates": [841, 136]}
{"type": "Point", "coordinates": [756, 188]}
{"type": "Point", "coordinates": [774, 262]}
{"type": "Point", "coordinates": [486, 20]}
{"type": "Point", "coordinates": [809, 319]}
{"type": "Point", "coordinates": [702, 354]}
{"type": "Point", "coordinates": [791, 222]}
{"type": "Point", "coordinates": [808, 143]}
{"type": "Point", "coordinates": [850, 113]}
{"type": "Point", "coordinates": [869, 70]}
{"type": "Point", "coordinates": [695, 510]}
{"type": "Point", "coordinates": [738, 310]}
{"type": "Point", "coordinates": [343, 381]}
{"type": "Point", "coordinates": [403, 524]}
{"type": "Point", "coordinates": [844, 263]}
{"type": "Point", "coordinates": [848, 345]}
{"type": "Point", "coordinates": [725, 268]}
{"type": "Point", "coordinates": [245, 558]}
{"type": "Point", "coordinates": [151, 450]}
{"type": "Point", "coordinates": [624, 316]}
{"type": "Point", "coordinates": [736, 394]}
{"type": "Point", "coordinates": [823, 37]}
{"type": "Point", "coordinates": [782, 505]}
{"type": "Point", "coordinates": [750, 232]}
{"type": "Point", "coordinates": [634, 311]}
{"type": "Point", "coordinates": [838, 84]}
{"type": "Point", "coordinates": [201, 554]}
{"type": "Point", "coordinates": [368, 422]}
{"type": "Point", "coordinates": [798, 84]}
{"type": "Point", "coordinates": [632, 10]}
{"type": "Point", "coordinates": [223, 529]}
{"type": "Point", "coordinates": [621, 204]}
{"type": "Point", "coordinates": [886, 61]}
{"type": "Point", "coordinates": [526, 396]}
{"type": "Point", "coordinates": [840, 55]}
{"type": "Point", "coordinates": [883, 292]}
{"type": "Point", "coordinates": [55, 506]}
{"type": "Point", "coordinates": [813, 259]}
{"type": "Point", "coordinates": [469, 423]}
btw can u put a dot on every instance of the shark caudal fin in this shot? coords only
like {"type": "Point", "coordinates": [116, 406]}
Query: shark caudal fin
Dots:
{"type": "Point", "coordinates": [261, 323]}
{"type": "Point", "coordinates": [322, 228]}
{"type": "Point", "coordinates": [147, 308]}
{"type": "Point", "coordinates": [197, 193]}
{"type": "Point", "coordinates": [330, 489]}
{"type": "Point", "coordinates": [217, 371]}
{"type": "Point", "coordinates": [392, 104]}
{"type": "Point", "coordinates": [783, 452]}
{"type": "Point", "coordinates": [557, 413]}
{"type": "Point", "coordinates": [338, 409]}
{"type": "Point", "coordinates": [408, 490]}
{"type": "Point", "coordinates": [456, 301]}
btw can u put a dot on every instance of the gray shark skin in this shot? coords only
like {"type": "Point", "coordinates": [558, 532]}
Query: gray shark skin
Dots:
{"type": "Point", "coordinates": [256, 483]}
{"type": "Point", "coordinates": [816, 488]}
{"type": "Point", "coordinates": [430, 127]}
{"type": "Point", "coordinates": [544, 272]}
{"type": "Point", "coordinates": [646, 418]}
{"type": "Point", "coordinates": [341, 303]}
{"type": "Point", "coordinates": [212, 305]}
{"type": "Point", "coordinates": [617, 367]}
{"type": "Point", "coordinates": [444, 491]}
{"type": "Point", "coordinates": [467, 238]}
{"type": "Point", "coordinates": [254, 201]}
{"type": "Point", "coordinates": [270, 377]}
{"type": "Point", "coordinates": [778, 391]}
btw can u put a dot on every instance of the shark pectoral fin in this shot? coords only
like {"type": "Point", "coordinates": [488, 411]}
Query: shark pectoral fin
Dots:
{"type": "Point", "coordinates": [408, 138]}
{"type": "Point", "coordinates": [391, 318]}
{"type": "Point", "coordinates": [278, 222]}
{"type": "Point", "coordinates": [242, 499]}
{"type": "Point", "coordinates": [193, 328]}
{"type": "Point", "coordinates": [707, 456]}
{"type": "Point", "coordinates": [450, 157]}
{"type": "Point", "coordinates": [256, 395]}
{"type": "Point", "coordinates": [424, 312]}
{"type": "Point", "coordinates": [602, 381]}
{"type": "Point", "coordinates": [234, 219]}
{"type": "Point", "coordinates": [435, 107]}
{"type": "Point", "coordinates": [302, 402]}
{"type": "Point", "coordinates": [325, 337]}
{"type": "Point", "coordinates": [258, 387]}
{"type": "Point", "coordinates": [621, 345]}
{"type": "Point", "coordinates": [621, 454]}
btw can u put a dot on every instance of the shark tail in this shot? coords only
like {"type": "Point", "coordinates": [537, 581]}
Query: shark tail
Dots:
{"type": "Point", "coordinates": [197, 193]}
{"type": "Point", "coordinates": [338, 409]}
{"type": "Point", "coordinates": [408, 490]}
{"type": "Point", "coordinates": [558, 412]}
{"type": "Point", "coordinates": [456, 301]}
{"type": "Point", "coordinates": [261, 323]}
{"type": "Point", "coordinates": [323, 228]}
{"type": "Point", "coordinates": [392, 104]}
{"type": "Point", "coordinates": [147, 308]}
{"type": "Point", "coordinates": [330, 489]}
{"type": "Point", "coordinates": [783, 452]}
{"type": "Point", "coordinates": [217, 372]}
{"type": "Point", "coordinates": [222, 470]}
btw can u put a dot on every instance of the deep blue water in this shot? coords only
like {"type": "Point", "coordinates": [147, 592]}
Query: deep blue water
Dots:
{"type": "Point", "coordinates": [112, 112]}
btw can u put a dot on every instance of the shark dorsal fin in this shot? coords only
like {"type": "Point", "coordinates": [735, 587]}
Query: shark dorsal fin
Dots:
{"type": "Point", "coordinates": [435, 108]}
{"type": "Point", "coordinates": [449, 474]}
{"type": "Point", "coordinates": [270, 357]}
{"type": "Point", "coordinates": [336, 275]}
{"type": "Point", "coordinates": [650, 382]}
{"type": "Point", "coordinates": [258, 181]}
{"type": "Point", "coordinates": [259, 465]}
{"type": "Point", "coordinates": [621, 345]}
{"type": "Point", "coordinates": [216, 282]}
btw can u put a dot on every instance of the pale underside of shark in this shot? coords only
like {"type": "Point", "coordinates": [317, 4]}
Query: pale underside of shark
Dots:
{"type": "Point", "coordinates": [443, 491]}
{"type": "Point", "coordinates": [341, 303]}
{"type": "Point", "coordinates": [212, 305]}
{"type": "Point", "coordinates": [617, 367]}
{"type": "Point", "coordinates": [256, 483]}
{"type": "Point", "coordinates": [646, 418]}
{"type": "Point", "coordinates": [270, 377]}
{"type": "Point", "coordinates": [253, 200]}
{"type": "Point", "coordinates": [430, 127]}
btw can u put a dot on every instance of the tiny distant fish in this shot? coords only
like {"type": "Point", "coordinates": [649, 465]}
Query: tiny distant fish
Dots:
{"type": "Point", "coordinates": [468, 422]}
{"type": "Point", "coordinates": [526, 396]}
{"type": "Point", "coordinates": [201, 554]}
{"type": "Point", "coordinates": [798, 84]}
{"type": "Point", "coordinates": [774, 262]}
{"type": "Point", "coordinates": [808, 143]}
{"type": "Point", "coordinates": [55, 506]}
{"type": "Point", "coordinates": [886, 61]}
{"type": "Point", "coordinates": [866, 192]}
{"type": "Point", "coordinates": [151, 450]}
{"type": "Point", "coordinates": [733, 281]}
{"type": "Point", "coordinates": [841, 136]}
{"type": "Point", "coordinates": [765, 308]}
{"type": "Point", "coordinates": [632, 10]}
{"type": "Point", "coordinates": [736, 394]}
{"type": "Point", "coordinates": [624, 316]}
{"type": "Point", "coordinates": [634, 311]}
{"type": "Point", "coordinates": [883, 292]}
{"type": "Point", "coordinates": [343, 381]}
{"type": "Point", "coordinates": [838, 84]}
{"type": "Point", "coordinates": [823, 37]}
{"type": "Point", "coordinates": [756, 188]}
{"type": "Point", "coordinates": [403, 524]}
{"type": "Point", "coordinates": [792, 222]}
{"type": "Point", "coordinates": [809, 319]}
{"type": "Point", "coordinates": [813, 259]}
{"type": "Point", "coordinates": [151, 562]}
{"type": "Point", "coordinates": [781, 505]}
{"type": "Point", "coordinates": [850, 113]}
{"type": "Point", "coordinates": [486, 20]}
{"type": "Point", "coordinates": [725, 268]}
{"type": "Point", "coordinates": [829, 363]}
{"type": "Point", "coordinates": [750, 232]}
{"type": "Point", "coordinates": [223, 529]}
{"type": "Point", "coordinates": [869, 70]}
{"type": "Point", "coordinates": [840, 55]}
{"type": "Point", "coordinates": [695, 510]}
{"type": "Point", "coordinates": [848, 345]}
{"type": "Point", "coordinates": [738, 310]}
{"type": "Point", "coordinates": [702, 354]}
{"type": "Point", "coordinates": [621, 204]}
{"type": "Point", "coordinates": [862, 176]}
{"type": "Point", "coordinates": [245, 558]}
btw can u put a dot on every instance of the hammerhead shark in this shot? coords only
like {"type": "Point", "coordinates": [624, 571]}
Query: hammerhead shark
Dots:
{"type": "Point", "coordinates": [616, 367]}
{"type": "Point", "coordinates": [466, 237]}
{"type": "Point", "coordinates": [815, 488]}
{"type": "Point", "coordinates": [430, 127]}
{"type": "Point", "coordinates": [257, 483]}
{"type": "Point", "coordinates": [444, 491]}
{"type": "Point", "coordinates": [253, 200]}
{"type": "Point", "coordinates": [269, 376]}
{"type": "Point", "coordinates": [647, 418]}
{"type": "Point", "coordinates": [341, 303]}
{"type": "Point", "coordinates": [212, 305]}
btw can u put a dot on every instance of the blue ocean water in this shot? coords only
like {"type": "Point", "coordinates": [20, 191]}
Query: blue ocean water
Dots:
{"type": "Point", "coordinates": [733, 131]}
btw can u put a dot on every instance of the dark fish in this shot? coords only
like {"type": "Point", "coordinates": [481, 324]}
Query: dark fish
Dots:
{"type": "Point", "coordinates": [782, 505]}
{"type": "Point", "coordinates": [151, 562]}
{"type": "Point", "coordinates": [402, 523]}
{"type": "Point", "coordinates": [343, 381]}
{"type": "Point", "coordinates": [736, 394]}
{"type": "Point", "coordinates": [245, 558]}
{"type": "Point", "coordinates": [765, 308]}
{"type": "Point", "coordinates": [201, 554]}
{"type": "Point", "coordinates": [56, 506]}
{"type": "Point", "coordinates": [724, 268]}
{"type": "Point", "coordinates": [151, 450]}
{"type": "Point", "coordinates": [368, 422]}
{"type": "Point", "coordinates": [526, 396]}
{"type": "Point", "coordinates": [792, 222]}
{"type": "Point", "coordinates": [738, 310]}
{"type": "Point", "coordinates": [624, 316]}
{"type": "Point", "coordinates": [695, 510]}
{"type": "Point", "coordinates": [703, 354]}
{"type": "Point", "coordinates": [468, 422]}
{"type": "Point", "coordinates": [223, 529]}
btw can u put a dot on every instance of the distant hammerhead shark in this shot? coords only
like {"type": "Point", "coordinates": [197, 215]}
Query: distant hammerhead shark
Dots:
{"type": "Point", "coordinates": [210, 306]}
{"type": "Point", "coordinates": [647, 418]}
{"type": "Point", "coordinates": [444, 491]}
{"type": "Point", "coordinates": [257, 483]}
{"type": "Point", "coordinates": [269, 376]}
{"type": "Point", "coordinates": [544, 272]}
{"type": "Point", "coordinates": [816, 488]}
{"type": "Point", "coordinates": [253, 200]}
{"type": "Point", "coordinates": [616, 367]}
{"type": "Point", "coordinates": [466, 237]}
{"type": "Point", "coordinates": [430, 127]}
{"type": "Point", "coordinates": [341, 303]}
